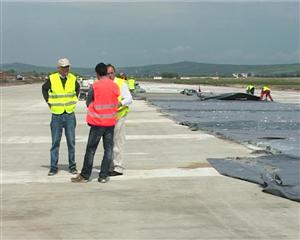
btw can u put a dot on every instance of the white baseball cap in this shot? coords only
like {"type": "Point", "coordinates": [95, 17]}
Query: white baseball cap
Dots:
{"type": "Point", "coordinates": [63, 62]}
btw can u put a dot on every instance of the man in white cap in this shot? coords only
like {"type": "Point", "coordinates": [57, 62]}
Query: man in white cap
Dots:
{"type": "Point", "coordinates": [61, 92]}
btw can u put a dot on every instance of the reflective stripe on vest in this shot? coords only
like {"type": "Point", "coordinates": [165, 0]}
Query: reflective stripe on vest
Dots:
{"type": "Point", "coordinates": [64, 104]}
{"type": "Point", "coordinates": [96, 115]}
{"type": "Point", "coordinates": [63, 95]}
{"type": "Point", "coordinates": [106, 106]}
{"type": "Point", "coordinates": [62, 99]}
{"type": "Point", "coordinates": [123, 110]}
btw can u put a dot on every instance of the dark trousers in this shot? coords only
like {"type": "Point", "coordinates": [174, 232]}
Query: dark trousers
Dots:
{"type": "Point", "coordinates": [95, 135]}
{"type": "Point", "coordinates": [59, 122]}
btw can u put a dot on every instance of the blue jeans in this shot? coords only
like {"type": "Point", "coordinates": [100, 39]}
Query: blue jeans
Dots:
{"type": "Point", "coordinates": [95, 135]}
{"type": "Point", "coordinates": [58, 122]}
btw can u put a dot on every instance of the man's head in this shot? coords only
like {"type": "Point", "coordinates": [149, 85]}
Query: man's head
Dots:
{"type": "Point", "coordinates": [123, 76]}
{"type": "Point", "coordinates": [63, 66]}
{"type": "Point", "coordinates": [101, 70]}
{"type": "Point", "coordinates": [111, 71]}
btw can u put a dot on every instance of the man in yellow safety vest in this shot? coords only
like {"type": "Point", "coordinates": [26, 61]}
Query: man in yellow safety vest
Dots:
{"type": "Point", "coordinates": [266, 91]}
{"type": "Point", "coordinates": [250, 89]}
{"type": "Point", "coordinates": [131, 84]}
{"type": "Point", "coordinates": [60, 92]}
{"type": "Point", "coordinates": [125, 100]}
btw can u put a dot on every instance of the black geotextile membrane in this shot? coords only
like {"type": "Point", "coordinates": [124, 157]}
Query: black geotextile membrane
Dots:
{"type": "Point", "coordinates": [231, 96]}
{"type": "Point", "coordinates": [277, 174]}
{"type": "Point", "coordinates": [272, 126]}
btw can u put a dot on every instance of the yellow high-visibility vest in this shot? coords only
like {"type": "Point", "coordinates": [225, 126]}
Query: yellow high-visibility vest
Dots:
{"type": "Point", "coordinates": [62, 99]}
{"type": "Point", "coordinates": [265, 88]}
{"type": "Point", "coordinates": [249, 87]}
{"type": "Point", "coordinates": [131, 84]}
{"type": "Point", "coordinates": [123, 110]}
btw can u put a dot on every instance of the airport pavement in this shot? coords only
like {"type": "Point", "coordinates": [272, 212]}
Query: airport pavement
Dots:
{"type": "Point", "coordinates": [168, 191]}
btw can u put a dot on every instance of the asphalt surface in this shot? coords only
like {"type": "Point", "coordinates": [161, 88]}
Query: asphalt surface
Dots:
{"type": "Point", "coordinates": [168, 191]}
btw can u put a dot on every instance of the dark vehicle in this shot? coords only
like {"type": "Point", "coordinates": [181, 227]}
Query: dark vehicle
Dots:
{"type": "Point", "coordinates": [189, 92]}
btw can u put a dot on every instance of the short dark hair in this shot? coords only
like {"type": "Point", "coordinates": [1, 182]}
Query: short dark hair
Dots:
{"type": "Point", "coordinates": [101, 69]}
{"type": "Point", "coordinates": [112, 66]}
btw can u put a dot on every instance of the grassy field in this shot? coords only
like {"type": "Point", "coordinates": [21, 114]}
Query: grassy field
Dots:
{"type": "Point", "coordinates": [274, 83]}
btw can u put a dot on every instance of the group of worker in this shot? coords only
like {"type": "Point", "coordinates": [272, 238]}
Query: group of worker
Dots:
{"type": "Point", "coordinates": [264, 94]}
{"type": "Point", "coordinates": [107, 103]}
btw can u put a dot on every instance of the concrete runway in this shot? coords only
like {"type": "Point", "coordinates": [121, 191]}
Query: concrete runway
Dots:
{"type": "Point", "coordinates": [168, 191]}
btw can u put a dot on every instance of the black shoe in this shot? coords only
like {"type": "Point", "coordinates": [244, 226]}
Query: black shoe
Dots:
{"type": "Point", "coordinates": [103, 180]}
{"type": "Point", "coordinates": [115, 173]}
{"type": "Point", "coordinates": [52, 172]}
{"type": "Point", "coordinates": [74, 171]}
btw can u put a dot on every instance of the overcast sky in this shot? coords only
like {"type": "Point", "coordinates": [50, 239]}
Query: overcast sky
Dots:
{"type": "Point", "coordinates": [142, 33]}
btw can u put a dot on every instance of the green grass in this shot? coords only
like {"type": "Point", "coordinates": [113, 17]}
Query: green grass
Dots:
{"type": "Point", "coordinates": [274, 83]}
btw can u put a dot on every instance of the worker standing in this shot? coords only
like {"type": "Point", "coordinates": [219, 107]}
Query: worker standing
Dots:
{"type": "Point", "coordinates": [199, 89]}
{"type": "Point", "coordinates": [131, 85]}
{"type": "Point", "coordinates": [125, 100]}
{"type": "Point", "coordinates": [102, 105]}
{"type": "Point", "coordinates": [250, 89]}
{"type": "Point", "coordinates": [61, 92]}
{"type": "Point", "coordinates": [266, 91]}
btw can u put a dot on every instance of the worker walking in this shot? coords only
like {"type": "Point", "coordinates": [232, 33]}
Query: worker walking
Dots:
{"type": "Point", "coordinates": [125, 100]}
{"type": "Point", "coordinates": [250, 89]}
{"type": "Point", "coordinates": [61, 92]}
{"type": "Point", "coordinates": [266, 91]}
{"type": "Point", "coordinates": [102, 105]}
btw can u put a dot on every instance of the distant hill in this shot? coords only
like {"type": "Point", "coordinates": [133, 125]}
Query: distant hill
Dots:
{"type": "Point", "coordinates": [181, 68]}
{"type": "Point", "coordinates": [22, 68]}
{"type": "Point", "coordinates": [205, 69]}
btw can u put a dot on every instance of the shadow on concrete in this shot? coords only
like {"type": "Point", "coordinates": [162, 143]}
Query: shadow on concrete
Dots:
{"type": "Point", "coordinates": [61, 167]}
{"type": "Point", "coordinates": [65, 167]}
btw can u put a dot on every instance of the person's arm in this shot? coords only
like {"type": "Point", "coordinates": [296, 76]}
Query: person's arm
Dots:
{"type": "Point", "coordinates": [77, 88]}
{"type": "Point", "coordinates": [45, 90]}
{"type": "Point", "coordinates": [126, 95]}
{"type": "Point", "coordinates": [90, 96]}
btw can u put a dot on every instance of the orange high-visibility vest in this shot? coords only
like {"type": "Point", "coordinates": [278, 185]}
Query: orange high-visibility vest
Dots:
{"type": "Point", "coordinates": [102, 111]}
